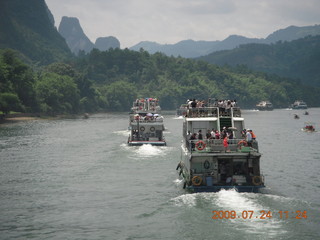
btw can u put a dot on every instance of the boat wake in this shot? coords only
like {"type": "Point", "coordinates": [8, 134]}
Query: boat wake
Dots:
{"type": "Point", "coordinates": [180, 117]}
{"type": "Point", "coordinates": [250, 213]}
{"type": "Point", "coordinates": [147, 150]}
{"type": "Point", "coordinates": [245, 204]}
{"type": "Point", "coordinates": [122, 133]}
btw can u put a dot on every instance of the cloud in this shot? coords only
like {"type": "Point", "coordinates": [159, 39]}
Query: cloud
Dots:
{"type": "Point", "coordinates": [170, 21]}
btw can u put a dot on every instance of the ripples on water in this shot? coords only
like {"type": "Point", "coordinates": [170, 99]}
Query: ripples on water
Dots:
{"type": "Point", "coordinates": [78, 179]}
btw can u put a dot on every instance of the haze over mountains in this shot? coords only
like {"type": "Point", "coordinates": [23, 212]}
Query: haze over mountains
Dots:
{"type": "Point", "coordinates": [71, 30]}
{"type": "Point", "coordinates": [193, 49]}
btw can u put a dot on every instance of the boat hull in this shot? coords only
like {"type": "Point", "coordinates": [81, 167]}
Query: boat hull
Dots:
{"type": "Point", "coordinates": [153, 143]}
{"type": "Point", "coordinates": [254, 189]}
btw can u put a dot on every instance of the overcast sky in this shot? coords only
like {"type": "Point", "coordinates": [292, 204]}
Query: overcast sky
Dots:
{"type": "Point", "coordinates": [170, 21]}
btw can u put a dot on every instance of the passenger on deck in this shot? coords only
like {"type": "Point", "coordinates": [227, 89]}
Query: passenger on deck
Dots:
{"type": "Point", "coordinates": [194, 103]}
{"type": "Point", "coordinates": [213, 133]}
{"type": "Point", "coordinates": [230, 134]}
{"type": "Point", "coordinates": [192, 140]}
{"type": "Point", "coordinates": [225, 144]}
{"type": "Point", "coordinates": [249, 138]}
{"type": "Point", "coordinates": [217, 135]}
{"type": "Point", "coordinates": [223, 133]}
{"type": "Point", "coordinates": [200, 137]}
{"type": "Point", "coordinates": [252, 135]}
{"type": "Point", "coordinates": [208, 135]}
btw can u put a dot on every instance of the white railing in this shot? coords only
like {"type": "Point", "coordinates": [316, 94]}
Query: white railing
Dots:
{"type": "Point", "coordinates": [217, 145]}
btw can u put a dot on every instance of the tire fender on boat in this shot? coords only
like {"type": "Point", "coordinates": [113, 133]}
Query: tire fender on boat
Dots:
{"type": "Point", "coordinates": [196, 180]}
{"type": "Point", "coordinates": [256, 180]}
{"type": "Point", "coordinates": [242, 143]}
{"type": "Point", "coordinates": [142, 129]}
{"type": "Point", "coordinates": [200, 145]}
{"type": "Point", "coordinates": [152, 129]}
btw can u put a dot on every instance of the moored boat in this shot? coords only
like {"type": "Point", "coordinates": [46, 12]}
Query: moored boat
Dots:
{"type": "Point", "coordinates": [212, 163]}
{"type": "Point", "coordinates": [146, 123]}
{"type": "Point", "coordinates": [299, 104]}
{"type": "Point", "coordinates": [264, 106]}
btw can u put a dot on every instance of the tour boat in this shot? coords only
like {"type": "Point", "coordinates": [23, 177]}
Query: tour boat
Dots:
{"type": "Point", "coordinates": [211, 163]}
{"type": "Point", "coordinates": [299, 104]}
{"type": "Point", "coordinates": [146, 123]}
{"type": "Point", "coordinates": [265, 106]}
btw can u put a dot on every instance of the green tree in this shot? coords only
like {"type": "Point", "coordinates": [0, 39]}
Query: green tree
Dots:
{"type": "Point", "coordinates": [57, 94]}
{"type": "Point", "coordinates": [9, 102]}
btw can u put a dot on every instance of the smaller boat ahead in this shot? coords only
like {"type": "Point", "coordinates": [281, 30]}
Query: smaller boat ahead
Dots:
{"type": "Point", "coordinates": [299, 104]}
{"type": "Point", "coordinates": [146, 123]}
{"type": "Point", "coordinates": [265, 106]}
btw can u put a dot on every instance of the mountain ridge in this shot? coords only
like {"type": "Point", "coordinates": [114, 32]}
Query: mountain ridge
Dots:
{"type": "Point", "coordinates": [34, 37]}
{"type": "Point", "coordinates": [200, 48]}
{"type": "Point", "coordinates": [70, 28]}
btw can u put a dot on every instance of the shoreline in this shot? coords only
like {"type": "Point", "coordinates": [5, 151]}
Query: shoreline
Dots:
{"type": "Point", "coordinates": [19, 117]}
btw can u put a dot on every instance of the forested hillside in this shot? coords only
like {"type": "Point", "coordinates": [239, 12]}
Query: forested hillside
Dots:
{"type": "Point", "coordinates": [298, 59]}
{"type": "Point", "coordinates": [111, 80]}
{"type": "Point", "coordinates": [27, 26]}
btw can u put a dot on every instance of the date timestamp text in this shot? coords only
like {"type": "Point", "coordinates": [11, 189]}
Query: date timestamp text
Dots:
{"type": "Point", "coordinates": [250, 214]}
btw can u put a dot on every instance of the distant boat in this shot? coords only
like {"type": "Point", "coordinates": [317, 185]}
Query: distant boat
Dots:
{"type": "Point", "coordinates": [308, 127]}
{"type": "Point", "coordinates": [299, 104]}
{"type": "Point", "coordinates": [265, 106]}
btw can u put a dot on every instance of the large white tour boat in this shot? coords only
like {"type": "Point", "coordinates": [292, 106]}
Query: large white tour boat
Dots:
{"type": "Point", "coordinates": [146, 123]}
{"type": "Point", "coordinates": [217, 152]}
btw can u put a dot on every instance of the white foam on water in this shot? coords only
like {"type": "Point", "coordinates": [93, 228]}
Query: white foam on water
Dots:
{"type": "Point", "coordinates": [148, 150]}
{"type": "Point", "coordinates": [122, 132]}
{"type": "Point", "coordinates": [180, 117]}
{"type": "Point", "coordinates": [188, 200]}
{"type": "Point", "coordinates": [243, 204]}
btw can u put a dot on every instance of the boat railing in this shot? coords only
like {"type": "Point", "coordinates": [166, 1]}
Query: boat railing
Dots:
{"type": "Point", "coordinates": [213, 112]}
{"type": "Point", "coordinates": [217, 145]}
{"type": "Point", "coordinates": [155, 120]}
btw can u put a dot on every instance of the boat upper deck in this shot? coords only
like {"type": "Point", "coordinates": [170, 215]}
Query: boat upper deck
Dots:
{"type": "Point", "coordinates": [146, 105]}
{"type": "Point", "coordinates": [213, 112]}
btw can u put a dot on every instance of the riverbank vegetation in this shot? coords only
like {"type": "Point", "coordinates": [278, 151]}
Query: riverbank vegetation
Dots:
{"type": "Point", "coordinates": [112, 80]}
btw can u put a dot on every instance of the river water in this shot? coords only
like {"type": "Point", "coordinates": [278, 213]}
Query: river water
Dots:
{"type": "Point", "coordinates": [77, 179]}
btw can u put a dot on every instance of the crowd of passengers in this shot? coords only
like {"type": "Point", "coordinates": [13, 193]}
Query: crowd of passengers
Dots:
{"type": "Point", "coordinates": [195, 107]}
{"type": "Point", "coordinates": [223, 104]}
{"type": "Point", "coordinates": [146, 103]}
{"type": "Point", "coordinates": [226, 134]}
{"type": "Point", "coordinates": [149, 117]}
